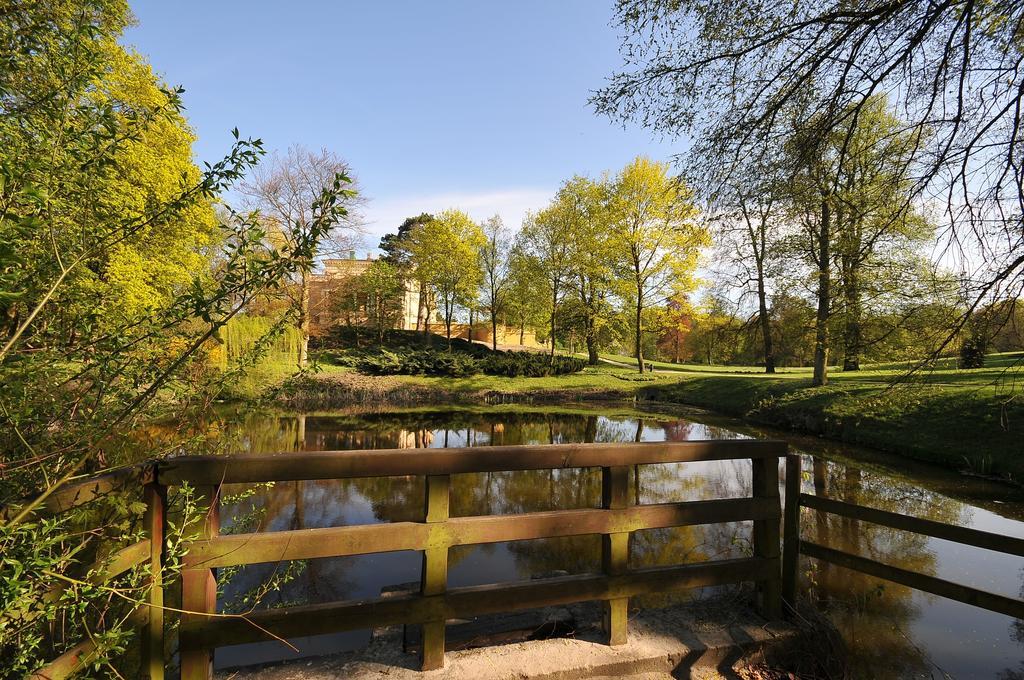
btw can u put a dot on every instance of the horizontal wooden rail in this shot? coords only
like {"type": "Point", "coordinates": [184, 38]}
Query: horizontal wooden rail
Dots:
{"type": "Point", "coordinates": [203, 630]}
{"type": "Point", "coordinates": [467, 602]}
{"type": "Point", "coordinates": [80, 656]}
{"type": "Point", "coordinates": [83, 490]}
{"type": "Point", "coordinates": [213, 470]}
{"type": "Point", "coordinates": [303, 544]}
{"type": "Point", "coordinates": [927, 527]}
{"type": "Point", "coordinates": [117, 564]}
{"type": "Point", "coordinates": [929, 584]}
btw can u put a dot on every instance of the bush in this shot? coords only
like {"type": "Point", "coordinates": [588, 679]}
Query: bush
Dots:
{"type": "Point", "coordinates": [457, 364]}
{"type": "Point", "coordinates": [530, 364]}
{"type": "Point", "coordinates": [346, 338]}
{"type": "Point", "coordinates": [973, 350]}
{"type": "Point", "coordinates": [418, 362]}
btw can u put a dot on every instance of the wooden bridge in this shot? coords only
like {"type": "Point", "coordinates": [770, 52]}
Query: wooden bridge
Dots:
{"type": "Point", "coordinates": [773, 566]}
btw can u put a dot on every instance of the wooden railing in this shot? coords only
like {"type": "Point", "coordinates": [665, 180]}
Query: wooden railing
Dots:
{"type": "Point", "coordinates": [147, 617]}
{"type": "Point", "coordinates": [435, 603]}
{"type": "Point", "coordinates": [202, 629]}
{"type": "Point", "coordinates": [930, 584]}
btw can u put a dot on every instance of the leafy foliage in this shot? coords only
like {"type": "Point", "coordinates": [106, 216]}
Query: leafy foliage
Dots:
{"type": "Point", "coordinates": [973, 350]}
{"type": "Point", "coordinates": [530, 365]}
{"type": "Point", "coordinates": [116, 280]}
{"type": "Point", "coordinates": [445, 252]}
{"type": "Point", "coordinates": [419, 362]}
{"type": "Point", "coordinates": [404, 354]}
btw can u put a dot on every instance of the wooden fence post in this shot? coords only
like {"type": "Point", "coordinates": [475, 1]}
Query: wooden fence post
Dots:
{"type": "Point", "coordinates": [153, 632]}
{"type": "Point", "coordinates": [434, 574]}
{"type": "Point", "coordinates": [765, 477]}
{"type": "Point", "coordinates": [791, 534]}
{"type": "Point", "coordinates": [615, 552]}
{"type": "Point", "coordinates": [199, 592]}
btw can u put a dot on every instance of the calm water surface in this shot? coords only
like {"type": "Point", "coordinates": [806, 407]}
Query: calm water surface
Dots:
{"type": "Point", "coordinates": [891, 631]}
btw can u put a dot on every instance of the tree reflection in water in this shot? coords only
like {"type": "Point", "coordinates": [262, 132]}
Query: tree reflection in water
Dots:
{"type": "Point", "coordinates": [877, 619]}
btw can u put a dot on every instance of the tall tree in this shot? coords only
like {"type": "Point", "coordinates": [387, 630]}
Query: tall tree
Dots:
{"type": "Point", "coordinates": [729, 75]}
{"type": "Point", "coordinates": [654, 240]}
{"type": "Point", "coordinates": [396, 249]}
{"type": "Point", "coordinates": [586, 205]}
{"type": "Point", "coordinates": [283, 190]}
{"type": "Point", "coordinates": [494, 260]}
{"type": "Point", "coordinates": [546, 239]}
{"type": "Point", "coordinates": [854, 200]}
{"type": "Point", "coordinates": [749, 222]}
{"type": "Point", "coordinates": [524, 298]}
{"type": "Point", "coordinates": [382, 286]}
{"type": "Point", "coordinates": [877, 223]}
{"type": "Point", "coordinates": [812, 189]}
{"type": "Point", "coordinates": [446, 256]}
{"type": "Point", "coordinates": [95, 174]}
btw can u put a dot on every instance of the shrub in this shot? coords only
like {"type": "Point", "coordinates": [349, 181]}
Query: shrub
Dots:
{"type": "Point", "coordinates": [457, 364]}
{"type": "Point", "coordinates": [346, 338]}
{"type": "Point", "coordinates": [973, 350]}
{"type": "Point", "coordinates": [530, 364]}
{"type": "Point", "coordinates": [418, 362]}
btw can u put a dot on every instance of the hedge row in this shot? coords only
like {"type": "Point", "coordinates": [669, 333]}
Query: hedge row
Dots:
{"type": "Point", "coordinates": [459, 365]}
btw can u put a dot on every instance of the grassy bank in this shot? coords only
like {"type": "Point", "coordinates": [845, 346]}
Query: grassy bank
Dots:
{"type": "Point", "coordinates": [966, 420]}
{"type": "Point", "coordinates": [343, 386]}
{"type": "Point", "coordinates": [958, 426]}
{"type": "Point", "coordinates": [969, 420]}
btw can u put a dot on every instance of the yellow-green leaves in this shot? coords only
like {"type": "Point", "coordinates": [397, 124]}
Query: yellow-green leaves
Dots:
{"type": "Point", "coordinates": [445, 254]}
{"type": "Point", "coordinates": [654, 239]}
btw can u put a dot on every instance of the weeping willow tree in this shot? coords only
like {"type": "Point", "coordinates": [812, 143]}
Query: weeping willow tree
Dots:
{"type": "Point", "coordinates": [259, 350]}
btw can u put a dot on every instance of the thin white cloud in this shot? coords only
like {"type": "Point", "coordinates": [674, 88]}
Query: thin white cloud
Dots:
{"type": "Point", "coordinates": [382, 216]}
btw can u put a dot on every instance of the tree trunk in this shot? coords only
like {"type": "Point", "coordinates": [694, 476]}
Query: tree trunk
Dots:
{"type": "Point", "coordinates": [522, 333]}
{"type": "Point", "coordinates": [851, 320]}
{"type": "Point", "coordinates": [494, 331]}
{"type": "Point", "coordinates": [448, 324]}
{"type": "Point", "coordinates": [421, 302]}
{"type": "Point", "coordinates": [303, 320]}
{"type": "Point", "coordinates": [592, 357]}
{"type": "Point", "coordinates": [426, 324]}
{"type": "Point", "coordinates": [766, 327]}
{"type": "Point", "coordinates": [639, 333]}
{"type": "Point", "coordinates": [824, 296]}
{"type": "Point", "coordinates": [554, 308]}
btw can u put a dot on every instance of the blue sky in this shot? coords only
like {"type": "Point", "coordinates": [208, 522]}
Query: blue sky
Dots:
{"type": "Point", "coordinates": [477, 105]}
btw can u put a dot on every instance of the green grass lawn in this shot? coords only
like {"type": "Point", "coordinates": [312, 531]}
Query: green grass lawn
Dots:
{"type": "Point", "coordinates": [604, 377]}
{"type": "Point", "coordinates": [1000, 374]}
{"type": "Point", "coordinates": [964, 419]}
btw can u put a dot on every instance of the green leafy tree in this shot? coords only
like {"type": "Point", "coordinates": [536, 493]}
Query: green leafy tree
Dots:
{"type": "Point", "coordinates": [851, 193]}
{"type": "Point", "coordinates": [587, 207]}
{"type": "Point", "coordinates": [397, 251]}
{"type": "Point", "coordinates": [494, 260]}
{"type": "Point", "coordinates": [730, 76]}
{"type": "Point", "coordinates": [525, 297]}
{"type": "Point", "coordinates": [99, 341]}
{"type": "Point", "coordinates": [654, 240]}
{"type": "Point", "coordinates": [383, 286]}
{"type": "Point", "coordinates": [546, 239]}
{"type": "Point", "coordinates": [445, 254]}
{"type": "Point", "coordinates": [878, 227]}
{"type": "Point", "coordinates": [713, 331]}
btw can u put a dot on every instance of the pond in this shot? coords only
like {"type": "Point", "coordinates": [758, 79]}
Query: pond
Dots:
{"type": "Point", "coordinates": [890, 630]}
